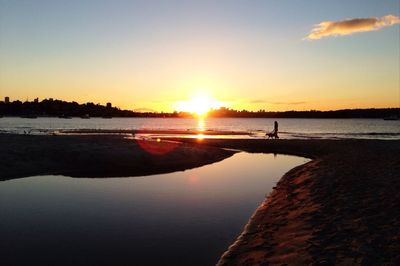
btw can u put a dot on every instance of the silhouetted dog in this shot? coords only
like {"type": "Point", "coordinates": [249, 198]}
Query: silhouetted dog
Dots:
{"type": "Point", "coordinates": [272, 135]}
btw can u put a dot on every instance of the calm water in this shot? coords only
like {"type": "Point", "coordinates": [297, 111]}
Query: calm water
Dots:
{"type": "Point", "coordinates": [289, 128]}
{"type": "Point", "coordinates": [182, 218]}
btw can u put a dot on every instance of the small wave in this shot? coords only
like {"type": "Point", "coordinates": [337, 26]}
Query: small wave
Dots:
{"type": "Point", "coordinates": [252, 133]}
{"type": "Point", "coordinates": [342, 135]}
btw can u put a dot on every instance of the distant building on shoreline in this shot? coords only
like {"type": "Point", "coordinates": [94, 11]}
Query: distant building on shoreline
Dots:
{"type": "Point", "coordinates": [7, 99]}
{"type": "Point", "coordinates": [109, 105]}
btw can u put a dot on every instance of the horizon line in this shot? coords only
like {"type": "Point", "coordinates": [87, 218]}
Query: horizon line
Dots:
{"type": "Point", "coordinates": [152, 111]}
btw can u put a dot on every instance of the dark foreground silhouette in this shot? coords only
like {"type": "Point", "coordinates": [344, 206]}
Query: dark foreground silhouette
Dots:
{"type": "Point", "coordinates": [343, 207]}
{"type": "Point", "coordinates": [98, 156]}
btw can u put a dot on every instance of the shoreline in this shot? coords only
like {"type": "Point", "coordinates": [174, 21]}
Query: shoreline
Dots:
{"type": "Point", "coordinates": [98, 156]}
{"type": "Point", "coordinates": [340, 208]}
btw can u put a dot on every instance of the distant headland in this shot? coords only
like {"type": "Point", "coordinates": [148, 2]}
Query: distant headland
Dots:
{"type": "Point", "coordinates": [64, 109]}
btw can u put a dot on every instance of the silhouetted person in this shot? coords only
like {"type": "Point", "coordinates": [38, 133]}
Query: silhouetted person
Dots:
{"type": "Point", "coordinates": [274, 133]}
{"type": "Point", "coordinates": [276, 129]}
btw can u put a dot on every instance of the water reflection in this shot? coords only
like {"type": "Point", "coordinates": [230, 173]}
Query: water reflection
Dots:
{"type": "Point", "coordinates": [201, 126]}
{"type": "Point", "coordinates": [183, 218]}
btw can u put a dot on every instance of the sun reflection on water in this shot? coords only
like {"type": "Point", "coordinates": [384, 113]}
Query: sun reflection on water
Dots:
{"type": "Point", "coordinates": [200, 137]}
{"type": "Point", "coordinates": [201, 125]}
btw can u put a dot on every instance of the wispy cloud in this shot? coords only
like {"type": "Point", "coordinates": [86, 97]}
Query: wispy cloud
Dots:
{"type": "Point", "coordinates": [350, 26]}
{"type": "Point", "coordinates": [287, 103]}
{"type": "Point", "coordinates": [258, 101]}
{"type": "Point", "coordinates": [144, 110]}
{"type": "Point", "coordinates": [275, 103]}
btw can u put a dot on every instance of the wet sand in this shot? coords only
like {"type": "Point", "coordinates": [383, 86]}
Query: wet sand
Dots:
{"type": "Point", "coordinates": [98, 156]}
{"type": "Point", "coordinates": [343, 207]}
{"type": "Point", "coordinates": [151, 132]}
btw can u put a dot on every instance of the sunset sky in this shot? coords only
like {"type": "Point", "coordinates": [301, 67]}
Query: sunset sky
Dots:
{"type": "Point", "coordinates": [273, 55]}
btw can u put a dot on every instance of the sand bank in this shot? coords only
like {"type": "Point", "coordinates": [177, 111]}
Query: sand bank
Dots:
{"type": "Point", "coordinates": [342, 208]}
{"type": "Point", "coordinates": [151, 132]}
{"type": "Point", "coordinates": [98, 156]}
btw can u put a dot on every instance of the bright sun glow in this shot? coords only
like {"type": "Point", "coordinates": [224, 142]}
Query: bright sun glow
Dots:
{"type": "Point", "coordinates": [199, 104]}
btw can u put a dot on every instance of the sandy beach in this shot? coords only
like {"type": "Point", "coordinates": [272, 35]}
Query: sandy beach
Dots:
{"type": "Point", "coordinates": [340, 208]}
{"type": "Point", "coordinates": [98, 156]}
{"type": "Point", "coordinates": [116, 118]}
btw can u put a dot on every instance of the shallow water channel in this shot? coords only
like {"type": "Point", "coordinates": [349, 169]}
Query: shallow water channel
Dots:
{"type": "Point", "coordinates": [181, 218]}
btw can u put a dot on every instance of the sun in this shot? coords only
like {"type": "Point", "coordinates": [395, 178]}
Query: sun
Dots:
{"type": "Point", "coordinates": [199, 104]}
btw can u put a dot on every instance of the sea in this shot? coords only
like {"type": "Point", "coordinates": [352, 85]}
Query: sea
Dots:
{"type": "Point", "coordinates": [251, 127]}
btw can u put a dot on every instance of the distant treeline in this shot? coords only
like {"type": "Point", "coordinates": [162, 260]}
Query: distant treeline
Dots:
{"type": "Point", "coordinates": [346, 113]}
{"type": "Point", "coordinates": [50, 107]}
{"type": "Point", "coordinates": [62, 108]}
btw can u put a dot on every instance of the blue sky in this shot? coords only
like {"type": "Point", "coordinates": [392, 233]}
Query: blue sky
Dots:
{"type": "Point", "coordinates": [247, 54]}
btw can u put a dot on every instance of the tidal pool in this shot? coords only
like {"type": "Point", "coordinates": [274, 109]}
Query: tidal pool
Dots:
{"type": "Point", "coordinates": [180, 218]}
